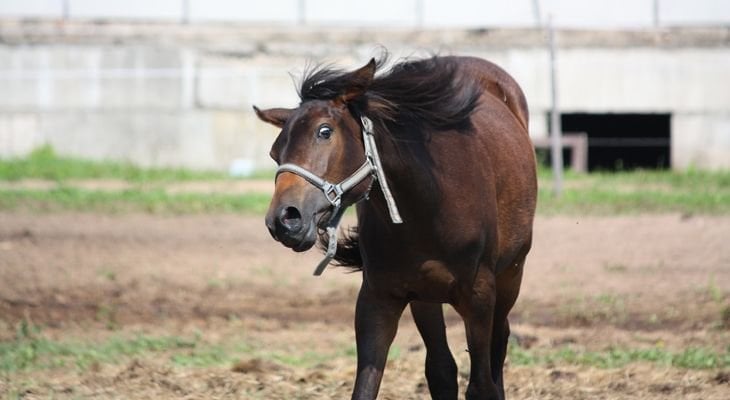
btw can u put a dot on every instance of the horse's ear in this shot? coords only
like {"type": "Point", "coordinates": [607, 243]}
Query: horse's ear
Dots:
{"type": "Point", "coordinates": [361, 80]}
{"type": "Point", "coordinates": [274, 116]}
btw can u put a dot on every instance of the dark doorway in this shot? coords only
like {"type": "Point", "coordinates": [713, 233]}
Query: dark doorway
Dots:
{"type": "Point", "coordinates": [623, 141]}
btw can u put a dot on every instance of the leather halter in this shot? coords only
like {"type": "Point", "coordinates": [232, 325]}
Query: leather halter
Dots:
{"type": "Point", "coordinates": [371, 167]}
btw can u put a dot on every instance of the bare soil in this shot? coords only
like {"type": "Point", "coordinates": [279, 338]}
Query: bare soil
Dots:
{"type": "Point", "coordinates": [592, 282]}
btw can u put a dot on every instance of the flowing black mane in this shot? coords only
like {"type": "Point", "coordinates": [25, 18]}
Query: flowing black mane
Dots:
{"type": "Point", "coordinates": [414, 96]}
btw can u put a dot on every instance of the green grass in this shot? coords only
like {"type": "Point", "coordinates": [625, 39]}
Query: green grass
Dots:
{"type": "Point", "coordinates": [638, 191]}
{"type": "Point", "coordinates": [627, 192]}
{"type": "Point", "coordinates": [207, 355]}
{"type": "Point", "coordinates": [607, 201]}
{"type": "Point", "coordinates": [30, 350]}
{"type": "Point", "coordinates": [44, 163]}
{"type": "Point", "coordinates": [690, 358]}
{"type": "Point", "coordinates": [136, 200]}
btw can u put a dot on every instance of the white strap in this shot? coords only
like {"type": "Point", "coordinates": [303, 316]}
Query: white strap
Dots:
{"type": "Point", "coordinates": [371, 149]}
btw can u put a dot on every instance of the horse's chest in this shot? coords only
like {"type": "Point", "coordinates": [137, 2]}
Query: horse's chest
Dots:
{"type": "Point", "coordinates": [432, 281]}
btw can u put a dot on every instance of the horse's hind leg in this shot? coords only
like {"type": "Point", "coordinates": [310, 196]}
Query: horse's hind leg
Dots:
{"type": "Point", "coordinates": [441, 368]}
{"type": "Point", "coordinates": [508, 287]}
{"type": "Point", "coordinates": [476, 306]}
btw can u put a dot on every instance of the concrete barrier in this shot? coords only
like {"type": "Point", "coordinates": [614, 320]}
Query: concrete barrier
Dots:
{"type": "Point", "coordinates": [169, 95]}
{"type": "Point", "coordinates": [490, 14]}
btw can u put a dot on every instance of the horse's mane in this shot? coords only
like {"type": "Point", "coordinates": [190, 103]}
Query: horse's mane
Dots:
{"type": "Point", "coordinates": [411, 99]}
{"type": "Point", "coordinates": [413, 96]}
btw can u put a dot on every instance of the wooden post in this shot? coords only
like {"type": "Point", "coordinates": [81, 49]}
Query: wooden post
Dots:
{"type": "Point", "coordinates": [556, 142]}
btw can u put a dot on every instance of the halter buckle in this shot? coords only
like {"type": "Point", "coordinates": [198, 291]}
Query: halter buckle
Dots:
{"type": "Point", "coordinates": [367, 125]}
{"type": "Point", "coordinates": [333, 193]}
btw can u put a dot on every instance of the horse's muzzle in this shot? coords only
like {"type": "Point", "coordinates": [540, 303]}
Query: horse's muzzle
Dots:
{"type": "Point", "coordinates": [289, 226]}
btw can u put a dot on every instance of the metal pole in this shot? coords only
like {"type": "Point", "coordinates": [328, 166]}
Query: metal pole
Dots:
{"type": "Point", "coordinates": [556, 140]}
{"type": "Point", "coordinates": [419, 14]}
{"type": "Point", "coordinates": [536, 13]}
{"type": "Point", "coordinates": [185, 12]}
{"type": "Point", "coordinates": [302, 12]}
{"type": "Point", "coordinates": [65, 10]}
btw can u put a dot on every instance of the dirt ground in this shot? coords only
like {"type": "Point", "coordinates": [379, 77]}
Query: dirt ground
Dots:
{"type": "Point", "coordinates": [594, 283]}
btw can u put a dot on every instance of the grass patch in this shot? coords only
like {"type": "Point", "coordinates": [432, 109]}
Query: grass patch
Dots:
{"type": "Point", "coordinates": [714, 291]}
{"type": "Point", "coordinates": [690, 358]}
{"type": "Point", "coordinates": [602, 201]}
{"type": "Point", "coordinates": [627, 192]}
{"type": "Point", "coordinates": [30, 350]}
{"type": "Point", "coordinates": [306, 359]}
{"type": "Point", "coordinates": [666, 178]}
{"type": "Point", "coordinates": [588, 310]}
{"type": "Point", "coordinates": [44, 163]}
{"type": "Point", "coordinates": [138, 200]}
{"type": "Point", "coordinates": [207, 355]}
{"type": "Point", "coordinates": [637, 191]}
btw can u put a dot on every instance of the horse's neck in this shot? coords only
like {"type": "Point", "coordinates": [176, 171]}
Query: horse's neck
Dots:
{"type": "Point", "coordinates": [410, 180]}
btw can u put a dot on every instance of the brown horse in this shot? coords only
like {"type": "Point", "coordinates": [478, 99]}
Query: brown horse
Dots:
{"type": "Point", "coordinates": [450, 134]}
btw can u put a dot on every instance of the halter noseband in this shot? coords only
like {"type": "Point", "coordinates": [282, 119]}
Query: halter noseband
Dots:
{"type": "Point", "coordinates": [372, 167]}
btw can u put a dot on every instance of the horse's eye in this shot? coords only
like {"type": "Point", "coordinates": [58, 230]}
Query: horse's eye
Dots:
{"type": "Point", "coordinates": [324, 131]}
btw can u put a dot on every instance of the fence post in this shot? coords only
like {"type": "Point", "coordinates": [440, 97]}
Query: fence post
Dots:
{"type": "Point", "coordinates": [536, 13]}
{"type": "Point", "coordinates": [302, 12]}
{"type": "Point", "coordinates": [419, 14]}
{"type": "Point", "coordinates": [185, 17]}
{"type": "Point", "coordinates": [556, 145]}
{"type": "Point", "coordinates": [64, 10]}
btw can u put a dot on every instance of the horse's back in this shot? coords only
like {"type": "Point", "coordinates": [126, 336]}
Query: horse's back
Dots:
{"type": "Point", "coordinates": [498, 83]}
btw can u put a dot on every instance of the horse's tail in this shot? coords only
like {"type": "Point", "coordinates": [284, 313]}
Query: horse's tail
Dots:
{"type": "Point", "coordinates": [348, 249]}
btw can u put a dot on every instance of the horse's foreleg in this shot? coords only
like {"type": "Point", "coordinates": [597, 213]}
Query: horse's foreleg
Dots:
{"type": "Point", "coordinates": [441, 368]}
{"type": "Point", "coordinates": [476, 306]}
{"type": "Point", "coordinates": [376, 322]}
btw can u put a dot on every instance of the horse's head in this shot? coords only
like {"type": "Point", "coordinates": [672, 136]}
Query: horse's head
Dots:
{"type": "Point", "coordinates": [322, 138]}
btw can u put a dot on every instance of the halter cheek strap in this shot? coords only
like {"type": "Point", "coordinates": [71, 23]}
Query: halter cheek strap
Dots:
{"type": "Point", "coordinates": [334, 191]}
{"type": "Point", "coordinates": [371, 153]}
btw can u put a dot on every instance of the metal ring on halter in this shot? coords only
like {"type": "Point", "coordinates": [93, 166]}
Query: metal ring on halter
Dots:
{"type": "Point", "coordinates": [333, 193]}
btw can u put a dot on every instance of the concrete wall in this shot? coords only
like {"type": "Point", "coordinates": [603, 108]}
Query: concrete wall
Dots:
{"type": "Point", "coordinates": [591, 14]}
{"type": "Point", "coordinates": [182, 96]}
{"type": "Point", "coordinates": [151, 105]}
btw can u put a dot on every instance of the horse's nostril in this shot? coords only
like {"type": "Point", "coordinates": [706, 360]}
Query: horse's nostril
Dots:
{"type": "Point", "coordinates": [291, 218]}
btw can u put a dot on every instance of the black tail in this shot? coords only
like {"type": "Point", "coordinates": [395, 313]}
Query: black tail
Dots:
{"type": "Point", "coordinates": [348, 249]}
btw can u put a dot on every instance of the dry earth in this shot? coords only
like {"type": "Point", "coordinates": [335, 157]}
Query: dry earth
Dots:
{"type": "Point", "coordinates": [594, 283]}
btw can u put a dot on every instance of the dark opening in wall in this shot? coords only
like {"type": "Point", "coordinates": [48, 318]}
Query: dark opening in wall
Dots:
{"type": "Point", "coordinates": [623, 141]}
